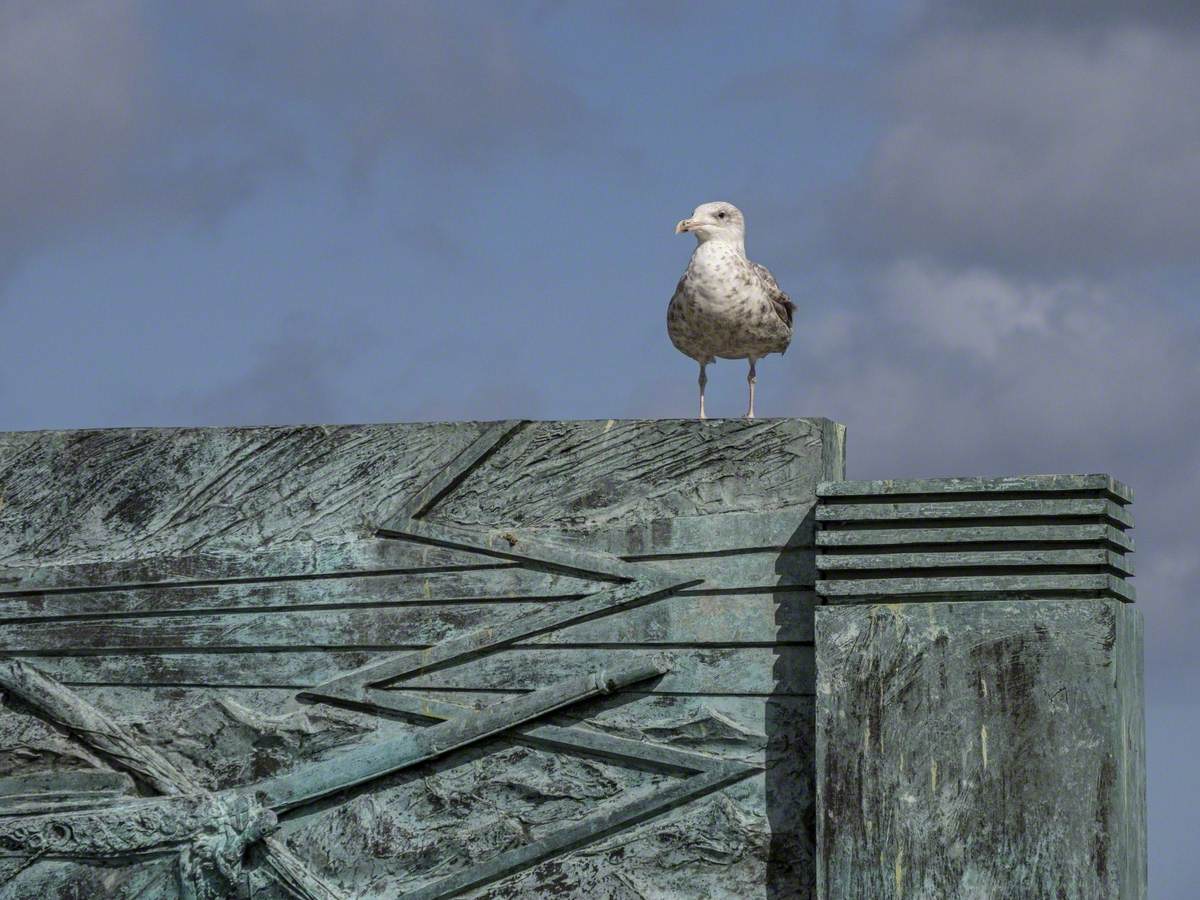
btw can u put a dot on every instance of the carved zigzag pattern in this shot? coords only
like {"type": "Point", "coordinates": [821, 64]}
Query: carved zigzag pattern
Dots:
{"type": "Point", "coordinates": [629, 585]}
{"type": "Point", "coordinates": [633, 584]}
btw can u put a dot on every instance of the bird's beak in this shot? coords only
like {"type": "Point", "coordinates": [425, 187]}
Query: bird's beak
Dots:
{"type": "Point", "coordinates": [684, 225]}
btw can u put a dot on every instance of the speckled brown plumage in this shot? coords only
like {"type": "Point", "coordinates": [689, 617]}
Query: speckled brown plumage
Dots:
{"type": "Point", "coordinates": [726, 306]}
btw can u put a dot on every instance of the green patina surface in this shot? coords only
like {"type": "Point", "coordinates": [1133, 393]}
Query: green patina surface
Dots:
{"type": "Point", "coordinates": [584, 659]}
{"type": "Point", "coordinates": [979, 697]}
{"type": "Point", "coordinates": [1039, 485]}
{"type": "Point", "coordinates": [227, 653]}
{"type": "Point", "coordinates": [963, 538]}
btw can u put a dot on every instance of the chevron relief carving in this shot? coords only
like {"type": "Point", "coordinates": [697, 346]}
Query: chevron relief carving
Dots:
{"type": "Point", "coordinates": [696, 774]}
{"type": "Point", "coordinates": [526, 588]}
{"type": "Point", "coordinates": [210, 832]}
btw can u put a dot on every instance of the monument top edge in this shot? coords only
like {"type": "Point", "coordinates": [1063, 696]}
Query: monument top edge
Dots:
{"type": "Point", "coordinates": [913, 487]}
{"type": "Point", "coordinates": [710, 423]}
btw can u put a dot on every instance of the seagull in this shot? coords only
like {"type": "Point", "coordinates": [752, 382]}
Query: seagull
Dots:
{"type": "Point", "coordinates": [725, 305]}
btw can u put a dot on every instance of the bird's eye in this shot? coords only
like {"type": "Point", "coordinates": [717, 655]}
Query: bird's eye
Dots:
{"type": "Point", "coordinates": [721, 214]}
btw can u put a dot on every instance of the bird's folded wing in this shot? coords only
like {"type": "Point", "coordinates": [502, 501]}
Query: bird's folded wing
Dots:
{"type": "Point", "coordinates": [679, 286]}
{"type": "Point", "coordinates": [784, 307]}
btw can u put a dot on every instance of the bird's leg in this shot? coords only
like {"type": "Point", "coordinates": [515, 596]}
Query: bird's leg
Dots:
{"type": "Point", "coordinates": [703, 382]}
{"type": "Point", "coordinates": [752, 379]}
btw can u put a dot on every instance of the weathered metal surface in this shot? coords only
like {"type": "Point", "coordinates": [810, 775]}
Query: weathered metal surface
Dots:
{"type": "Point", "coordinates": [981, 538]}
{"type": "Point", "coordinates": [981, 749]}
{"type": "Point", "coordinates": [1049, 535]}
{"type": "Point", "coordinates": [931, 586]}
{"type": "Point", "coordinates": [687, 617]}
{"type": "Point", "coordinates": [702, 775]}
{"type": "Point", "coordinates": [1011, 484]}
{"type": "Point", "coordinates": [188, 583]}
{"type": "Point", "coordinates": [926, 509]}
{"type": "Point", "coordinates": [978, 559]}
{"type": "Point", "coordinates": [473, 643]}
{"type": "Point", "coordinates": [52, 791]}
{"type": "Point", "coordinates": [66, 711]}
{"type": "Point", "coordinates": [979, 695]}
{"type": "Point", "coordinates": [701, 671]}
{"type": "Point", "coordinates": [372, 761]}
{"type": "Point", "coordinates": [209, 834]}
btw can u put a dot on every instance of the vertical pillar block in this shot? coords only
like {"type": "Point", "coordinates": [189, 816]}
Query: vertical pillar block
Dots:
{"type": "Point", "coordinates": [979, 690]}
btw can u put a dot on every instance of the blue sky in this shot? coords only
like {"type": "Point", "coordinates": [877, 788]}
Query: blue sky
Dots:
{"type": "Point", "coordinates": [988, 215]}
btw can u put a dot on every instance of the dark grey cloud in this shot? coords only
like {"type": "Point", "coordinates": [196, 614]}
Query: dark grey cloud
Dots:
{"type": "Point", "coordinates": [451, 79]}
{"type": "Point", "coordinates": [1035, 149]}
{"type": "Point", "coordinates": [1067, 15]}
{"type": "Point", "coordinates": [297, 377]}
{"type": "Point", "coordinates": [71, 76]}
{"type": "Point", "coordinates": [106, 126]}
{"type": "Point", "coordinates": [93, 134]}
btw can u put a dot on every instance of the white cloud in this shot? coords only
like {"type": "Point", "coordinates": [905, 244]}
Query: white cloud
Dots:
{"type": "Point", "coordinates": [1036, 175]}
{"type": "Point", "coordinates": [976, 311]}
{"type": "Point", "coordinates": [1064, 375]}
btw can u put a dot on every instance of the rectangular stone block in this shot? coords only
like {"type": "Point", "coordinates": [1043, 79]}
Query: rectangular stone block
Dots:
{"type": "Point", "coordinates": [988, 749]}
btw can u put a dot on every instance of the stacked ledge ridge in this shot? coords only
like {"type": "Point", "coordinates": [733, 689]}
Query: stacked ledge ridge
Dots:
{"type": "Point", "coordinates": [1035, 536]}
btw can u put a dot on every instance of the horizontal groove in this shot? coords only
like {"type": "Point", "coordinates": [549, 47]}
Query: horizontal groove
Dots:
{"type": "Point", "coordinates": [936, 535]}
{"type": "Point", "coordinates": [660, 645]}
{"type": "Point", "coordinates": [978, 511]}
{"type": "Point", "coordinates": [967, 571]}
{"type": "Point", "coordinates": [412, 688]}
{"type": "Point", "coordinates": [969, 497]}
{"type": "Point", "coordinates": [770, 696]}
{"type": "Point", "coordinates": [967, 522]}
{"type": "Point", "coordinates": [1077, 550]}
{"type": "Point", "coordinates": [219, 686]}
{"type": "Point", "coordinates": [1004, 485]}
{"type": "Point", "coordinates": [974, 577]}
{"type": "Point", "coordinates": [628, 693]}
{"type": "Point", "coordinates": [126, 615]}
{"type": "Point", "coordinates": [837, 565]}
{"type": "Point", "coordinates": [711, 554]}
{"type": "Point", "coordinates": [756, 589]}
{"type": "Point", "coordinates": [173, 650]}
{"type": "Point", "coordinates": [1023, 582]}
{"type": "Point", "coordinates": [499, 693]}
{"type": "Point", "coordinates": [251, 686]}
{"type": "Point", "coordinates": [218, 651]}
{"type": "Point", "coordinates": [252, 579]}
{"type": "Point", "coordinates": [965, 597]}
{"type": "Point", "coordinates": [966, 547]}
